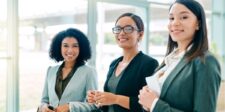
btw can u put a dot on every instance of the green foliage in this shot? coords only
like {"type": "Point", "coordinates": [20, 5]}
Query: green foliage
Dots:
{"type": "Point", "coordinates": [214, 49]}
{"type": "Point", "coordinates": [158, 39]}
{"type": "Point", "coordinates": [109, 38]}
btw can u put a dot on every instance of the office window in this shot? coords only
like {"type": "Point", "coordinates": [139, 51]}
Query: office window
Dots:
{"type": "Point", "coordinates": [107, 15]}
{"type": "Point", "coordinates": [3, 55]}
{"type": "Point", "coordinates": [3, 64]}
{"type": "Point", "coordinates": [39, 22]}
{"type": "Point", "coordinates": [158, 30]}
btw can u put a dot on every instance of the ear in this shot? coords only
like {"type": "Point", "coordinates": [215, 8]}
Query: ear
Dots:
{"type": "Point", "coordinates": [197, 25]}
{"type": "Point", "coordinates": [197, 28]}
{"type": "Point", "coordinates": [140, 36]}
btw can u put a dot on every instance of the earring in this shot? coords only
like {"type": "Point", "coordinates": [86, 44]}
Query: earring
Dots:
{"type": "Point", "coordinates": [197, 28]}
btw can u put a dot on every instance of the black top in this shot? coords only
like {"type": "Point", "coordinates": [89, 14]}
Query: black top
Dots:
{"type": "Point", "coordinates": [61, 83]}
{"type": "Point", "coordinates": [132, 80]}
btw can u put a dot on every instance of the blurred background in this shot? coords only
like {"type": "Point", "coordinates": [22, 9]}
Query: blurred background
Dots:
{"type": "Point", "coordinates": [28, 26]}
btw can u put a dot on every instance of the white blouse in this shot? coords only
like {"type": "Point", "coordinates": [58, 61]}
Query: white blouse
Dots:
{"type": "Point", "coordinates": [156, 81]}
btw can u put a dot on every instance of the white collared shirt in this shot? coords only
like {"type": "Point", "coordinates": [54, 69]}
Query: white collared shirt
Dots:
{"type": "Point", "coordinates": [158, 79]}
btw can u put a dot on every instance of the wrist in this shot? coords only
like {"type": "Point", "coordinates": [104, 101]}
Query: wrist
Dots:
{"type": "Point", "coordinates": [116, 99]}
{"type": "Point", "coordinates": [152, 106]}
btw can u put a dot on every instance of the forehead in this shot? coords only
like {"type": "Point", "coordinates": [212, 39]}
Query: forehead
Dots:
{"type": "Point", "coordinates": [125, 21]}
{"type": "Point", "coordinates": [70, 39]}
{"type": "Point", "coordinates": [179, 9]}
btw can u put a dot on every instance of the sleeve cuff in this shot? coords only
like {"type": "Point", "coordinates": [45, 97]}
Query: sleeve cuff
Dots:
{"type": "Point", "coordinates": [153, 104]}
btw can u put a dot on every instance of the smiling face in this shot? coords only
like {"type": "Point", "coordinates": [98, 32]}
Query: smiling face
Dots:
{"type": "Point", "coordinates": [70, 49]}
{"type": "Point", "coordinates": [182, 24]}
{"type": "Point", "coordinates": [127, 40]}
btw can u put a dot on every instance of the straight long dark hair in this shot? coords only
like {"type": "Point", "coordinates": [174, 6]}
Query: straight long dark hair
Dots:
{"type": "Point", "coordinates": [200, 40]}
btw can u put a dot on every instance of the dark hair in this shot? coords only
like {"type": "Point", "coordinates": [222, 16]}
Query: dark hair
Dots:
{"type": "Point", "coordinates": [138, 21]}
{"type": "Point", "coordinates": [200, 40]}
{"type": "Point", "coordinates": [84, 45]}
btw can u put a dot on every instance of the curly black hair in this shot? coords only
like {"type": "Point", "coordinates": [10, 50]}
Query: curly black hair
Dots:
{"type": "Point", "coordinates": [84, 45]}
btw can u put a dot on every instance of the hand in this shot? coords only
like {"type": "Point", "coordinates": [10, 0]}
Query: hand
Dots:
{"type": "Point", "coordinates": [146, 109]}
{"type": "Point", "coordinates": [45, 108]}
{"type": "Point", "coordinates": [63, 108]}
{"type": "Point", "coordinates": [91, 96]}
{"type": "Point", "coordinates": [105, 98]}
{"type": "Point", "coordinates": [146, 97]}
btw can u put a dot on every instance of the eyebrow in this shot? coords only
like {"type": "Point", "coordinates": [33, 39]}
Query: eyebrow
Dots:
{"type": "Point", "coordinates": [73, 43]}
{"type": "Point", "coordinates": [183, 12]}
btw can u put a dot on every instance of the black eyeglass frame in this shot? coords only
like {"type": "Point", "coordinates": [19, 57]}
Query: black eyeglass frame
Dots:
{"type": "Point", "coordinates": [114, 29]}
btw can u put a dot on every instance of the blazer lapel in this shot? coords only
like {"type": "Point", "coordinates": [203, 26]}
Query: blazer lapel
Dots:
{"type": "Point", "coordinates": [172, 76]}
{"type": "Point", "coordinates": [54, 81]}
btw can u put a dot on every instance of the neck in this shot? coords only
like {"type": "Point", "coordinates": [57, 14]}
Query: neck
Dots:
{"type": "Point", "coordinates": [182, 47]}
{"type": "Point", "coordinates": [69, 64]}
{"type": "Point", "coordinates": [128, 55]}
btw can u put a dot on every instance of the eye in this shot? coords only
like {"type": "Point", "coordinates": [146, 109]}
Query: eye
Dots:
{"type": "Point", "coordinates": [116, 29]}
{"type": "Point", "coordinates": [65, 45]}
{"type": "Point", "coordinates": [76, 45]}
{"type": "Point", "coordinates": [171, 18]}
{"type": "Point", "coordinates": [184, 17]}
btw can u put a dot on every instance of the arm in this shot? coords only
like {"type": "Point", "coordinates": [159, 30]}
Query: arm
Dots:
{"type": "Point", "coordinates": [148, 69]}
{"type": "Point", "coordinates": [45, 96]}
{"type": "Point", "coordinates": [107, 98]}
{"type": "Point", "coordinates": [91, 84]}
{"type": "Point", "coordinates": [207, 83]}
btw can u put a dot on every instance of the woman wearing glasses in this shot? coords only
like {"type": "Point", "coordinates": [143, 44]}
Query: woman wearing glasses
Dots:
{"type": "Point", "coordinates": [126, 74]}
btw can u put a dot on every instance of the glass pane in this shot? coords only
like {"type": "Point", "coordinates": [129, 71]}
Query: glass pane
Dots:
{"type": "Point", "coordinates": [39, 22]}
{"type": "Point", "coordinates": [161, 1]}
{"type": "Point", "coordinates": [3, 59]}
{"type": "Point", "coordinates": [158, 30]}
{"type": "Point", "coordinates": [3, 64]}
{"type": "Point", "coordinates": [107, 15]}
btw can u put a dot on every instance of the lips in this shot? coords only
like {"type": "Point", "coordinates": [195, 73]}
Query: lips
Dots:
{"type": "Point", "coordinates": [177, 31]}
{"type": "Point", "coordinates": [69, 55]}
{"type": "Point", "coordinates": [122, 39]}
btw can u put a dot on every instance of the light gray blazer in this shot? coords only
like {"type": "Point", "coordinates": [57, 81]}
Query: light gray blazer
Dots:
{"type": "Point", "coordinates": [84, 79]}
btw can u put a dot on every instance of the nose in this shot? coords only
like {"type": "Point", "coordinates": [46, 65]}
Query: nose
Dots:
{"type": "Point", "coordinates": [122, 31]}
{"type": "Point", "coordinates": [70, 49]}
{"type": "Point", "coordinates": [176, 22]}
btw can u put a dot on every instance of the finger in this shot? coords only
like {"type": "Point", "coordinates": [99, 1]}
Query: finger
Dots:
{"type": "Point", "coordinates": [139, 101]}
{"type": "Point", "coordinates": [91, 92]}
{"type": "Point", "coordinates": [149, 90]}
{"type": "Point", "coordinates": [139, 96]}
{"type": "Point", "coordinates": [146, 88]}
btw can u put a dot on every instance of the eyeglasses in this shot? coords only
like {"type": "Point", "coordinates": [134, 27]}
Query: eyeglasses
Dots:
{"type": "Point", "coordinates": [126, 29]}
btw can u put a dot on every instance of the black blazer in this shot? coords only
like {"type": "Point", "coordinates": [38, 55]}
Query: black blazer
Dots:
{"type": "Point", "coordinates": [132, 80]}
{"type": "Point", "coordinates": [191, 87]}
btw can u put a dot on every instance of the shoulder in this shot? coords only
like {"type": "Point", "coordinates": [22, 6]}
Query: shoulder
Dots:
{"type": "Point", "coordinates": [115, 61]}
{"type": "Point", "coordinates": [146, 59]}
{"type": "Point", "coordinates": [52, 69]}
{"type": "Point", "coordinates": [207, 59]}
{"type": "Point", "coordinates": [207, 62]}
{"type": "Point", "coordinates": [86, 68]}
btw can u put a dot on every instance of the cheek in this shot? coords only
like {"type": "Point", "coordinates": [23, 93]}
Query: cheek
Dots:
{"type": "Point", "coordinates": [192, 29]}
{"type": "Point", "coordinates": [77, 50]}
{"type": "Point", "coordinates": [169, 27]}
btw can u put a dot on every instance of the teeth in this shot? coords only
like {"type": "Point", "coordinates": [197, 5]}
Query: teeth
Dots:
{"type": "Point", "coordinates": [177, 31]}
{"type": "Point", "coordinates": [123, 39]}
